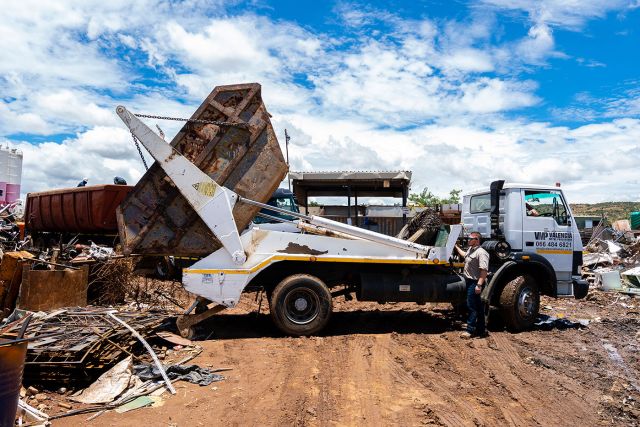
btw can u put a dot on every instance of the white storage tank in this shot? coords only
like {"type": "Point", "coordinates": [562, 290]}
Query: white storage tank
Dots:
{"type": "Point", "coordinates": [4, 173]}
{"type": "Point", "coordinates": [15, 175]}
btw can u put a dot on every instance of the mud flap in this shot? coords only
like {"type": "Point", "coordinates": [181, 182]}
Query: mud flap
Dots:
{"type": "Point", "coordinates": [580, 288]}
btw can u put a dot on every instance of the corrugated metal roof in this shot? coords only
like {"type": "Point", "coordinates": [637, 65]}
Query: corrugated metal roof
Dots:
{"type": "Point", "coordinates": [355, 175]}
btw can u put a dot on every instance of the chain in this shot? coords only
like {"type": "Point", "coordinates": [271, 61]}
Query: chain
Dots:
{"type": "Point", "coordinates": [179, 119]}
{"type": "Point", "coordinates": [135, 141]}
{"type": "Point", "coordinates": [211, 122]}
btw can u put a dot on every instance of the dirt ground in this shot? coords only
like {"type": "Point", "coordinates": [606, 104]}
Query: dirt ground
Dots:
{"type": "Point", "coordinates": [402, 364]}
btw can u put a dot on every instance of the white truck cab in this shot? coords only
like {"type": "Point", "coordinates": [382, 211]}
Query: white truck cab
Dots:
{"type": "Point", "coordinates": [528, 229]}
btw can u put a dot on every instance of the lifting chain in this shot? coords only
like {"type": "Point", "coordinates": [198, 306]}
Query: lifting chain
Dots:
{"type": "Point", "coordinates": [210, 122]}
{"type": "Point", "coordinates": [180, 119]}
{"type": "Point", "coordinates": [135, 141]}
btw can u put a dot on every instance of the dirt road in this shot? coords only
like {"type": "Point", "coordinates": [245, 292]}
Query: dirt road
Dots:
{"type": "Point", "coordinates": [406, 365]}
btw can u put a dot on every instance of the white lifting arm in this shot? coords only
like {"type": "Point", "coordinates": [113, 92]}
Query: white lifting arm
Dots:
{"type": "Point", "coordinates": [212, 202]}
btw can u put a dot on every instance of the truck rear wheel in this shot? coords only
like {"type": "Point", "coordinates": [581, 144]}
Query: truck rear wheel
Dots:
{"type": "Point", "coordinates": [301, 305]}
{"type": "Point", "coordinates": [520, 302]}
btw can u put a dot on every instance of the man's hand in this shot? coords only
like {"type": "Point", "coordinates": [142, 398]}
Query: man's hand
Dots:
{"type": "Point", "coordinates": [478, 289]}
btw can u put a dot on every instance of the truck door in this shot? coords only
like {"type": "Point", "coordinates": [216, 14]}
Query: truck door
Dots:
{"type": "Point", "coordinates": [546, 229]}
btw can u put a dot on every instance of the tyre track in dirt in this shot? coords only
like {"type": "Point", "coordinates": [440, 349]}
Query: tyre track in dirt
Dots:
{"type": "Point", "coordinates": [491, 385]}
{"type": "Point", "coordinates": [440, 370]}
{"type": "Point", "coordinates": [364, 389]}
{"type": "Point", "coordinates": [341, 380]}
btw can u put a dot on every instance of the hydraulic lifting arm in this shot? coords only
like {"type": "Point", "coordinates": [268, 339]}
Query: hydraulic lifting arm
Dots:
{"type": "Point", "coordinates": [212, 202]}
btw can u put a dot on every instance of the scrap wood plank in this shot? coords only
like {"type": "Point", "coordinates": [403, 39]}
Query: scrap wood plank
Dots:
{"type": "Point", "coordinates": [174, 339]}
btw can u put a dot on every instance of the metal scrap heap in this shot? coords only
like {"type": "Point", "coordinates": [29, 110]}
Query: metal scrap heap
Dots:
{"type": "Point", "coordinates": [422, 228]}
{"type": "Point", "coordinates": [79, 343]}
{"type": "Point", "coordinates": [612, 258]}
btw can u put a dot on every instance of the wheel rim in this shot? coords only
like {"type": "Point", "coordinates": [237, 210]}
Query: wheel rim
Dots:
{"type": "Point", "coordinates": [526, 303]}
{"type": "Point", "coordinates": [302, 306]}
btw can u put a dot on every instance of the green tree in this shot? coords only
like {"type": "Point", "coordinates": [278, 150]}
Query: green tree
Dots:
{"type": "Point", "coordinates": [427, 198]}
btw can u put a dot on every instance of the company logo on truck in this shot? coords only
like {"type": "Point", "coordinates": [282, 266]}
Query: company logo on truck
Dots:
{"type": "Point", "coordinates": [553, 240]}
{"type": "Point", "coordinates": [544, 235]}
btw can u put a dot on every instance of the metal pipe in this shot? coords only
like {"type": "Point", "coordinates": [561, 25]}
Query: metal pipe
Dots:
{"type": "Point", "coordinates": [149, 349]}
{"type": "Point", "coordinates": [349, 217]}
{"type": "Point", "coordinates": [286, 140]}
{"type": "Point", "coordinates": [370, 235]}
{"type": "Point", "coordinates": [346, 228]}
{"type": "Point", "coordinates": [273, 208]}
{"type": "Point", "coordinates": [273, 218]}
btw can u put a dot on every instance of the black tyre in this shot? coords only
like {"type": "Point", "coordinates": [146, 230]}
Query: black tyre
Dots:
{"type": "Point", "coordinates": [301, 305]}
{"type": "Point", "coordinates": [520, 302]}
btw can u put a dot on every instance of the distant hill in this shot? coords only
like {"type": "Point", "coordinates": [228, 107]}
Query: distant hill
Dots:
{"type": "Point", "coordinates": [613, 210]}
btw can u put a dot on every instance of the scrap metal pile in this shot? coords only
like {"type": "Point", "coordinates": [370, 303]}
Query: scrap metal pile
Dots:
{"type": "Point", "coordinates": [612, 258]}
{"type": "Point", "coordinates": [422, 228]}
{"type": "Point", "coordinates": [10, 236]}
{"type": "Point", "coordinates": [78, 343]}
{"type": "Point", "coordinates": [135, 361]}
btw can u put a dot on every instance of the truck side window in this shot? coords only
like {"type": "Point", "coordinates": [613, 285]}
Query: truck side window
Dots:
{"type": "Point", "coordinates": [480, 203]}
{"type": "Point", "coordinates": [286, 203]}
{"type": "Point", "coordinates": [544, 203]}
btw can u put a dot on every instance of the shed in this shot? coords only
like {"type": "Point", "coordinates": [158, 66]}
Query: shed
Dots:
{"type": "Point", "coordinates": [351, 184]}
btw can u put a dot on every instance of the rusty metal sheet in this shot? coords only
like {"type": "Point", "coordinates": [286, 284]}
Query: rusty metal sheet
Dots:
{"type": "Point", "coordinates": [43, 290]}
{"type": "Point", "coordinates": [10, 278]}
{"type": "Point", "coordinates": [90, 209]}
{"type": "Point", "coordinates": [155, 219]}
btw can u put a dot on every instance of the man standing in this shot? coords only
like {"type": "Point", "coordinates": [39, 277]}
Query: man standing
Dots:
{"type": "Point", "coordinates": [476, 266]}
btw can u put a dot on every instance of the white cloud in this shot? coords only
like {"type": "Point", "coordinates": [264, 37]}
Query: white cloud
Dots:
{"type": "Point", "coordinates": [585, 107]}
{"type": "Point", "coordinates": [494, 95]}
{"type": "Point", "coordinates": [12, 122]}
{"type": "Point", "coordinates": [99, 154]}
{"type": "Point", "coordinates": [469, 60]}
{"type": "Point", "coordinates": [74, 106]}
{"type": "Point", "coordinates": [567, 13]}
{"type": "Point", "coordinates": [537, 45]}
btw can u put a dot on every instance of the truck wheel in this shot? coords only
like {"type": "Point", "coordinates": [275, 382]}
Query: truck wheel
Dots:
{"type": "Point", "coordinates": [520, 302]}
{"type": "Point", "coordinates": [301, 305]}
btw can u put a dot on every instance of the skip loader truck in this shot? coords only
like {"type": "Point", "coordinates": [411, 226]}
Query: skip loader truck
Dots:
{"type": "Point", "coordinates": [302, 272]}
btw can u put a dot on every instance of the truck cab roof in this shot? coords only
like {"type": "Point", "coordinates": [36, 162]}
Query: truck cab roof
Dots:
{"type": "Point", "coordinates": [508, 185]}
{"type": "Point", "coordinates": [282, 192]}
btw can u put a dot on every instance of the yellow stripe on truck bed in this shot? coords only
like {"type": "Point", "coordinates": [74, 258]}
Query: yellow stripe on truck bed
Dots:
{"type": "Point", "coordinates": [554, 251]}
{"type": "Point", "coordinates": [312, 258]}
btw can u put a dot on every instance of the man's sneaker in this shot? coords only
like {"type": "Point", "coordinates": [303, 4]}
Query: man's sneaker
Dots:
{"type": "Point", "coordinates": [466, 335]}
{"type": "Point", "coordinates": [481, 335]}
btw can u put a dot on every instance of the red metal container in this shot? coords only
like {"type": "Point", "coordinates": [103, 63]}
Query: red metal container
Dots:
{"type": "Point", "coordinates": [90, 209]}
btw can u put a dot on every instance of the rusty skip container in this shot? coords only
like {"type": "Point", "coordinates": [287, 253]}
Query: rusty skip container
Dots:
{"type": "Point", "coordinates": [86, 210]}
{"type": "Point", "coordinates": [155, 219]}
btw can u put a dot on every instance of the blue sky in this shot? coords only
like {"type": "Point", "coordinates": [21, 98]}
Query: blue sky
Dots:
{"type": "Point", "coordinates": [460, 93]}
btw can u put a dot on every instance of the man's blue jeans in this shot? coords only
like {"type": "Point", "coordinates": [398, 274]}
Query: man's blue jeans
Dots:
{"type": "Point", "coordinates": [475, 321]}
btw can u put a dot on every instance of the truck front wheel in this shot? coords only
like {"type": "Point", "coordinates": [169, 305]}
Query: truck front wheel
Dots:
{"type": "Point", "coordinates": [301, 305]}
{"type": "Point", "coordinates": [520, 302]}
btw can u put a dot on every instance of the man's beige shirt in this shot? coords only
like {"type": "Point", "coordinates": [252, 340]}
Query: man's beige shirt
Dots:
{"type": "Point", "coordinates": [475, 260]}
